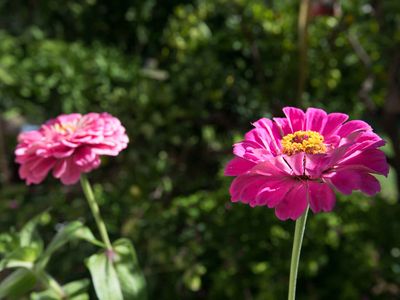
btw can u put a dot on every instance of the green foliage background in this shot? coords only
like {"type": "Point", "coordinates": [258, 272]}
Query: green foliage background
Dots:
{"type": "Point", "coordinates": [187, 78]}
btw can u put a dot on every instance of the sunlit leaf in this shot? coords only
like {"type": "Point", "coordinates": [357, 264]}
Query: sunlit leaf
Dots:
{"type": "Point", "coordinates": [117, 273]}
{"type": "Point", "coordinates": [104, 277]}
{"type": "Point", "coordinates": [131, 278]}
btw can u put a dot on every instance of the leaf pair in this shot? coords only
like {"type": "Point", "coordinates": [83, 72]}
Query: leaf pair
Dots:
{"type": "Point", "coordinates": [116, 274]}
{"type": "Point", "coordinates": [30, 260]}
{"type": "Point", "coordinates": [75, 290]}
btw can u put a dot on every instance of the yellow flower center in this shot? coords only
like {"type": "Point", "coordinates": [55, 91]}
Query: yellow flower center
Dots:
{"type": "Point", "coordinates": [65, 128]}
{"type": "Point", "coordinates": [310, 142]}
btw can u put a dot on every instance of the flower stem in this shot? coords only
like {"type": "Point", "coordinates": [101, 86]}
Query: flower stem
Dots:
{"type": "Point", "coordinates": [94, 207]}
{"type": "Point", "coordinates": [294, 264]}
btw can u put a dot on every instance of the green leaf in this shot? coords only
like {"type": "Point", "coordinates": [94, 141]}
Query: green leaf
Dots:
{"type": "Point", "coordinates": [104, 277]}
{"type": "Point", "coordinates": [28, 235]}
{"type": "Point", "coordinates": [17, 284]}
{"type": "Point", "coordinates": [63, 236]}
{"type": "Point", "coordinates": [71, 231]}
{"type": "Point", "coordinates": [118, 273]}
{"type": "Point", "coordinates": [45, 295]}
{"type": "Point", "coordinates": [84, 233]}
{"type": "Point", "coordinates": [8, 242]}
{"type": "Point", "coordinates": [21, 257]}
{"type": "Point", "coordinates": [130, 275]}
{"type": "Point", "coordinates": [76, 290]}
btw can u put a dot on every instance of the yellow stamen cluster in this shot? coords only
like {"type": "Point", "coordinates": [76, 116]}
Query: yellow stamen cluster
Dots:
{"type": "Point", "coordinates": [310, 142]}
{"type": "Point", "coordinates": [64, 128]}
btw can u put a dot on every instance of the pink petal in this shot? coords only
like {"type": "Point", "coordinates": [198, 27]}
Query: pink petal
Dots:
{"type": "Point", "coordinates": [294, 203]}
{"type": "Point", "coordinates": [296, 118]}
{"type": "Point", "coordinates": [274, 133]}
{"type": "Point", "coordinates": [71, 174]}
{"type": "Point", "coordinates": [263, 140]}
{"type": "Point", "coordinates": [333, 122]}
{"type": "Point", "coordinates": [265, 177]}
{"type": "Point", "coordinates": [332, 140]}
{"type": "Point", "coordinates": [94, 165]}
{"type": "Point", "coordinates": [353, 126]}
{"type": "Point", "coordinates": [296, 163]}
{"type": "Point", "coordinates": [107, 149]}
{"type": "Point", "coordinates": [368, 140]}
{"type": "Point", "coordinates": [43, 167]}
{"type": "Point", "coordinates": [273, 193]}
{"type": "Point", "coordinates": [315, 164]}
{"type": "Point", "coordinates": [84, 156]}
{"type": "Point", "coordinates": [69, 144]}
{"type": "Point", "coordinates": [250, 151]}
{"type": "Point", "coordinates": [35, 170]}
{"type": "Point", "coordinates": [60, 168]}
{"type": "Point", "coordinates": [62, 151]}
{"type": "Point", "coordinates": [315, 119]}
{"type": "Point", "coordinates": [30, 136]}
{"type": "Point", "coordinates": [238, 166]}
{"type": "Point", "coordinates": [276, 168]}
{"type": "Point", "coordinates": [283, 125]}
{"type": "Point", "coordinates": [369, 184]}
{"type": "Point", "coordinates": [246, 149]}
{"type": "Point", "coordinates": [245, 188]}
{"type": "Point", "coordinates": [67, 118]}
{"type": "Point", "coordinates": [346, 181]}
{"type": "Point", "coordinates": [259, 143]}
{"type": "Point", "coordinates": [322, 198]}
{"type": "Point", "coordinates": [374, 160]}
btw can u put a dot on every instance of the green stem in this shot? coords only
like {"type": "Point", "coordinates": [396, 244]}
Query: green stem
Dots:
{"type": "Point", "coordinates": [94, 207]}
{"type": "Point", "coordinates": [294, 264]}
{"type": "Point", "coordinates": [50, 283]}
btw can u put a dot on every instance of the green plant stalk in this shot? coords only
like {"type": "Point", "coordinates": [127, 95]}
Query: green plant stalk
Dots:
{"type": "Point", "coordinates": [50, 283]}
{"type": "Point", "coordinates": [294, 264]}
{"type": "Point", "coordinates": [94, 207]}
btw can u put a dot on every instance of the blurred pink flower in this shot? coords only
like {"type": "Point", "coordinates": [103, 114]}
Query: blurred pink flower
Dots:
{"type": "Point", "coordinates": [68, 146]}
{"type": "Point", "coordinates": [291, 162]}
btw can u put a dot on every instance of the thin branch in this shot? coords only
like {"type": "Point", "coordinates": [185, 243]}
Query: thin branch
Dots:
{"type": "Point", "coordinates": [5, 173]}
{"type": "Point", "coordinates": [359, 50]}
{"type": "Point", "coordinates": [304, 13]}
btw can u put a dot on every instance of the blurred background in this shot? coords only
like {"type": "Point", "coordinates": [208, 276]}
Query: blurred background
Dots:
{"type": "Point", "coordinates": [187, 78]}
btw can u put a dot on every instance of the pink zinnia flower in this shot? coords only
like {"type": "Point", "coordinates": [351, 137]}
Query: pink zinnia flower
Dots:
{"type": "Point", "coordinates": [292, 162]}
{"type": "Point", "coordinates": [69, 145]}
